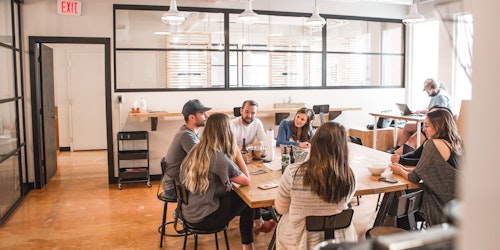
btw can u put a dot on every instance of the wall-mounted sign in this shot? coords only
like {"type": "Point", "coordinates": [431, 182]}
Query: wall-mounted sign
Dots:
{"type": "Point", "coordinates": [67, 7]}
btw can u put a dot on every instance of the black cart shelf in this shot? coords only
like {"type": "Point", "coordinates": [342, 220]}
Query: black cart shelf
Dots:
{"type": "Point", "coordinates": [133, 157]}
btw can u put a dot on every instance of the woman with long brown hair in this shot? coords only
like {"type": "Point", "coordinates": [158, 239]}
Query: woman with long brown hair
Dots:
{"type": "Point", "coordinates": [322, 185]}
{"type": "Point", "coordinates": [438, 166]}
{"type": "Point", "coordinates": [296, 132]}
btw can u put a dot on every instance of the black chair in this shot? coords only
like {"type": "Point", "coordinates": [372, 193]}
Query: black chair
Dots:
{"type": "Point", "coordinates": [407, 206]}
{"type": "Point", "coordinates": [278, 117]}
{"type": "Point", "coordinates": [236, 111]}
{"type": "Point", "coordinates": [321, 110]}
{"type": "Point", "coordinates": [328, 224]}
{"type": "Point", "coordinates": [166, 200]}
{"type": "Point", "coordinates": [182, 198]}
{"type": "Point", "coordinates": [358, 141]}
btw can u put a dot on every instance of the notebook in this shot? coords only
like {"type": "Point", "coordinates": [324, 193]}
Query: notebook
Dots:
{"type": "Point", "coordinates": [403, 107]}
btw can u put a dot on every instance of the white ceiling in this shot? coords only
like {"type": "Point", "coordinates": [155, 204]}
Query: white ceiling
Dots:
{"type": "Point", "coordinates": [403, 2]}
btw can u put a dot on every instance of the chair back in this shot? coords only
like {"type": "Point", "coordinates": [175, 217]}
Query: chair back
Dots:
{"type": "Point", "coordinates": [279, 116]}
{"type": "Point", "coordinates": [356, 140]}
{"type": "Point", "coordinates": [163, 165]}
{"type": "Point", "coordinates": [409, 203]}
{"type": "Point", "coordinates": [182, 193]}
{"type": "Point", "coordinates": [329, 223]}
{"type": "Point", "coordinates": [236, 111]}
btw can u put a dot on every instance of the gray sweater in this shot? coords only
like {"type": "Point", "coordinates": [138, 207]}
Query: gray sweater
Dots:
{"type": "Point", "coordinates": [439, 179]}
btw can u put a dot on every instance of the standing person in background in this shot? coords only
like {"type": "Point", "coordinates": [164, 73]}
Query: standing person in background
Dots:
{"type": "Point", "coordinates": [207, 173]}
{"type": "Point", "coordinates": [251, 129]}
{"type": "Point", "coordinates": [247, 126]}
{"type": "Point", "coordinates": [296, 132]}
{"type": "Point", "coordinates": [439, 97]}
{"type": "Point", "coordinates": [438, 166]}
{"type": "Point", "coordinates": [195, 115]}
{"type": "Point", "coordinates": [322, 185]}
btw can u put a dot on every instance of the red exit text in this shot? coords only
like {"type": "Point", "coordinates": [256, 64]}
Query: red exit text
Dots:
{"type": "Point", "coordinates": [69, 7]}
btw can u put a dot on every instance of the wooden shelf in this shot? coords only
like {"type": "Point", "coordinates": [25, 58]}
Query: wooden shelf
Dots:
{"type": "Point", "coordinates": [262, 113]}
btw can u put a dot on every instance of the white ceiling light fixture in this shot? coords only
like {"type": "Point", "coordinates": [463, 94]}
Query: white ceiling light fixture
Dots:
{"type": "Point", "coordinates": [413, 16]}
{"type": "Point", "coordinates": [315, 20]}
{"type": "Point", "coordinates": [248, 14]}
{"type": "Point", "coordinates": [173, 16]}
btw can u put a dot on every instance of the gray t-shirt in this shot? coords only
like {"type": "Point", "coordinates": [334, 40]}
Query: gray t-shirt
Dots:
{"type": "Point", "coordinates": [220, 171]}
{"type": "Point", "coordinates": [182, 143]}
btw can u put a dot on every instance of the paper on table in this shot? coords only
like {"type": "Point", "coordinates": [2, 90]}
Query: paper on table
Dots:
{"type": "Point", "coordinates": [274, 165]}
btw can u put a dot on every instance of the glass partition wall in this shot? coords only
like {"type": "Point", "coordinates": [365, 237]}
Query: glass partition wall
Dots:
{"type": "Point", "coordinates": [212, 49]}
{"type": "Point", "coordinates": [13, 172]}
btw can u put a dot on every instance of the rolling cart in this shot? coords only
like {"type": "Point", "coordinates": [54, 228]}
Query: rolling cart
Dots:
{"type": "Point", "coordinates": [133, 157]}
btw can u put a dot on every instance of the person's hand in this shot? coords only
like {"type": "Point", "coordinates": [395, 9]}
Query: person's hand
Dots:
{"type": "Point", "coordinates": [395, 158]}
{"type": "Point", "coordinates": [304, 145]}
{"type": "Point", "coordinates": [396, 168]}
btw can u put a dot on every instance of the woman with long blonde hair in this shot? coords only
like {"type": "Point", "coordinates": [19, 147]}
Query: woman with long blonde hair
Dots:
{"type": "Point", "coordinates": [322, 185]}
{"type": "Point", "coordinates": [207, 173]}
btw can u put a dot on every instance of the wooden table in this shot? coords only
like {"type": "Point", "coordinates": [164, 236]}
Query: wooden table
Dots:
{"type": "Point", "coordinates": [359, 158]}
{"type": "Point", "coordinates": [416, 118]}
{"type": "Point", "coordinates": [261, 113]}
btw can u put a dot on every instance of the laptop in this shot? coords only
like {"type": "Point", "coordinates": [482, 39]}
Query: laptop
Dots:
{"type": "Point", "coordinates": [405, 110]}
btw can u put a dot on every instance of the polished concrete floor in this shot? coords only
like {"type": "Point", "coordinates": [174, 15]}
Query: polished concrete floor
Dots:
{"type": "Point", "coordinates": [78, 209]}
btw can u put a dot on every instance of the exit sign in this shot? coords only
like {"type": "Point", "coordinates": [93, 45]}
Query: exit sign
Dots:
{"type": "Point", "coordinates": [66, 7]}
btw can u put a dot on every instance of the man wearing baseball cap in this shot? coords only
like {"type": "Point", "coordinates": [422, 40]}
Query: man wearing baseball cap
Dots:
{"type": "Point", "coordinates": [439, 97]}
{"type": "Point", "coordinates": [195, 115]}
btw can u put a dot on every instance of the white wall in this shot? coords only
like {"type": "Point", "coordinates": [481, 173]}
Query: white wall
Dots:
{"type": "Point", "coordinates": [479, 185]}
{"type": "Point", "coordinates": [40, 19]}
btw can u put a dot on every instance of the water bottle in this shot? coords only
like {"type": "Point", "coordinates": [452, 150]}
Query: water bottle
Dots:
{"type": "Point", "coordinates": [142, 105]}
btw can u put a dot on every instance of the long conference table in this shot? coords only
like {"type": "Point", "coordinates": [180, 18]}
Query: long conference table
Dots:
{"type": "Point", "coordinates": [359, 158]}
{"type": "Point", "coordinates": [153, 116]}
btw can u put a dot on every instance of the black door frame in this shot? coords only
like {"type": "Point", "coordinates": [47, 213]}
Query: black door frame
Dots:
{"type": "Point", "coordinates": [36, 102]}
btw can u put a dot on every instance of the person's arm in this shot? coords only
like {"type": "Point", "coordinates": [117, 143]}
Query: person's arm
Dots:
{"type": "Point", "coordinates": [283, 134]}
{"type": "Point", "coordinates": [237, 172]}
{"type": "Point", "coordinates": [400, 170]}
{"type": "Point", "coordinates": [240, 162]}
{"type": "Point", "coordinates": [411, 158]}
{"type": "Point", "coordinates": [241, 179]}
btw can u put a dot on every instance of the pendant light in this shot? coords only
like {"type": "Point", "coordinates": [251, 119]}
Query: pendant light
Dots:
{"type": "Point", "coordinates": [315, 20]}
{"type": "Point", "coordinates": [173, 16]}
{"type": "Point", "coordinates": [413, 16]}
{"type": "Point", "coordinates": [248, 14]}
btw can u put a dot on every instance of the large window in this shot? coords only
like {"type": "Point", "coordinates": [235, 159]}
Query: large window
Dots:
{"type": "Point", "coordinates": [212, 49]}
{"type": "Point", "coordinates": [12, 149]}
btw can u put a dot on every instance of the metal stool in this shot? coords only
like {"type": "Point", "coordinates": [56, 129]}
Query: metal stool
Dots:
{"type": "Point", "coordinates": [166, 200]}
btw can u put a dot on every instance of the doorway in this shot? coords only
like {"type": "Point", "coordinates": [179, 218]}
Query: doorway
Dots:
{"type": "Point", "coordinates": [45, 161]}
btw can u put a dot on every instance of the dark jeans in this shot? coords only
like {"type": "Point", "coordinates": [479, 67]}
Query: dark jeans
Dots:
{"type": "Point", "coordinates": [231, 205]}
